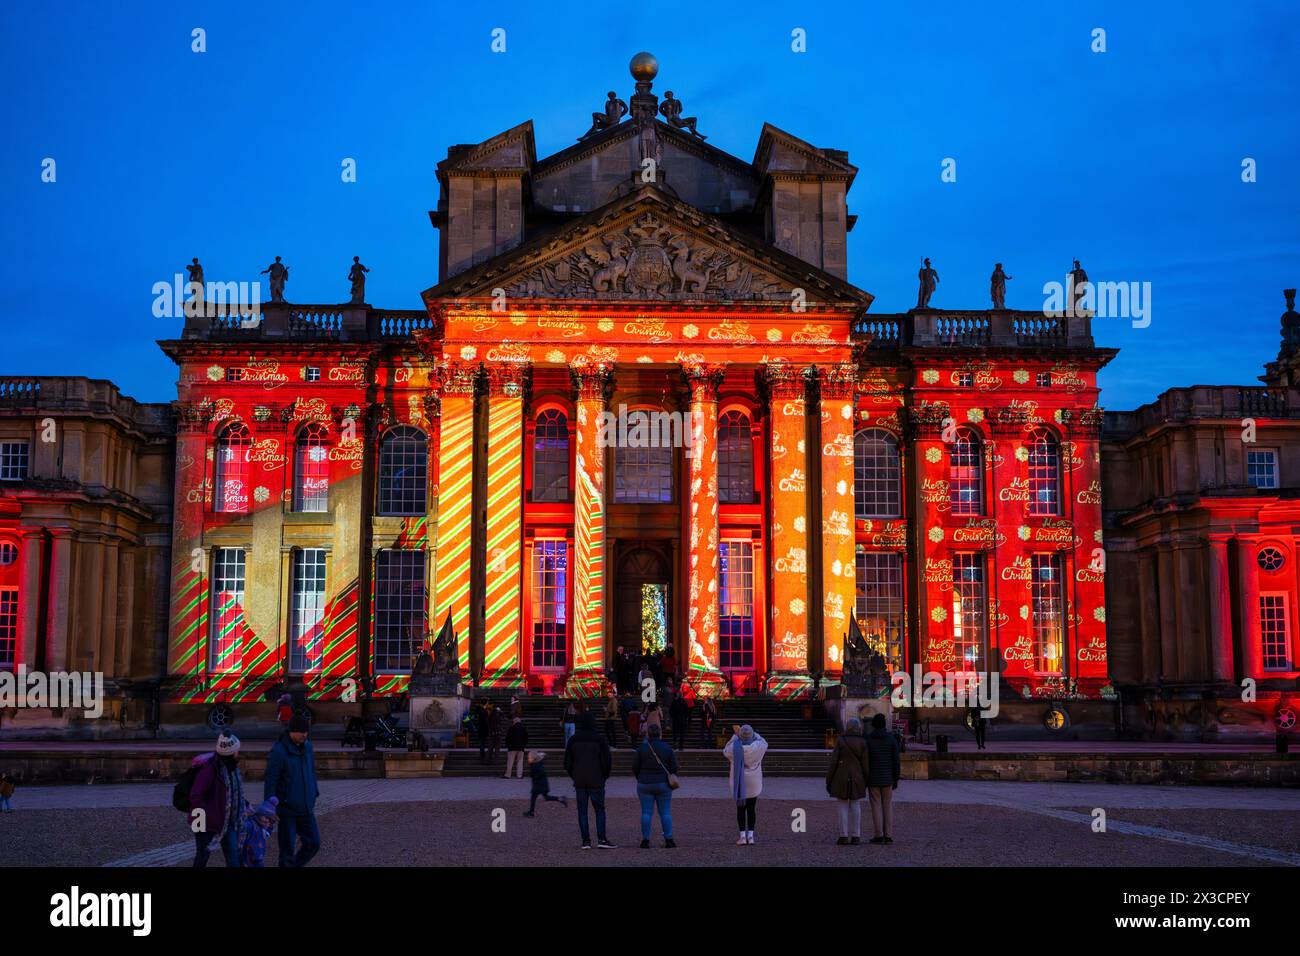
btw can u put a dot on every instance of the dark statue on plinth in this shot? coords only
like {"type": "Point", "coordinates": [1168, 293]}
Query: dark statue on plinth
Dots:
{"type": "Point", "coordinates": [998, 286]}
{"type": "Point", "coordinates": [357, 276]}
{"type": "Point", "coordinates": [437, 670]}
{"type": "Point", "coordinates": [1290, 326]}
{"type": "Point", "coordinates": [1079, 280]}
{"type": "Point", "coordinates": [615, 110]}
{"type": "Point", "coordinates": [672, 112]}
{"type": "Point", "coordinates": [196, 278]}
{"type": "Point", "coordinates": [279, 274]}
{"type": "Point", "coordinates": [857, 678]}
{"type": "Point", "coordinates": [929, 279]}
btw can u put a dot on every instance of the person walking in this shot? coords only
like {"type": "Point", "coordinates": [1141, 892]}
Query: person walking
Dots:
{"type": "Point", "coordinates": [846, 780]}
{"type": "Point", "coordinates": [483, 723]}
{"type": "Point", "coordinates": [654, 717]}
{"type": "Point", "coordinates": [588, 762]}
{"type": "Point", "coordinates": [611, 718]}
{"type": "Point", "coordinates": [708, 719]}
{"type": "Point", "coordinates": [7, 785]}
{"type": "Point", "coordinates": [516, 744]}
{"type": "Point", "coordinates": [680, 713]}
{"type": "Point", "coordinates": [291, 779]}
{"type": "Point", "coordinates": [884, 767]}
{"type": "Point", "coordinates": [494, 732]}
{"type": "Point", "coordinates": [744, 751]}
{"type": "Point", "coordinates": [979, 725]}
{"type": "Point", "coordinates": [570, 720]}
{"type": "Point", "coordinates": [655, 765]}
{"type": "Point", "coordinates": [541, 783]}
{"type": "Point", "coordinates": [284, 712]}
{"type": "Point", "coordinates": [217, 796]}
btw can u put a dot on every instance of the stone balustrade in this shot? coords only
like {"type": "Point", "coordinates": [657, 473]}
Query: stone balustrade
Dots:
{"type": "Point", "coordinates": [927, 328]}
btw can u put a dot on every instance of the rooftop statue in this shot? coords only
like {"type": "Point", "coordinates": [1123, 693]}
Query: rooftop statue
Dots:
{"type": "Point", "coordinates": [929, 279]}
{"type": "Point", "coordinates": [672, 111]}
{"type": "Point", "coordinates": [196, 278]}
{"type": "Point", "coordinates": [279, 276]}
{"type": "Point", "coordinates": [357, 276]}
{"type": "Point", "coordinates": [998, 286]}
{"type": "Point", "coordinates": [615, 110]}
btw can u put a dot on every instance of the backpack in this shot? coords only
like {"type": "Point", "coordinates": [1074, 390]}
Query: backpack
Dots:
{"type": "Point", "coordinates": [181, 792]}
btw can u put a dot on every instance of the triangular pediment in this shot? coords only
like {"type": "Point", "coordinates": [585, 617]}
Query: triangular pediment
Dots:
{"type": "Point", "coordinates": [780, 153]}
{"type": "Point", "coordinates": [650, 246]}
{"type": "Point", "coordinates": [510, 149]}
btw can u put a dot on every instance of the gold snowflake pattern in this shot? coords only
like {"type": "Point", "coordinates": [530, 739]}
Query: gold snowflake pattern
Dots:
{"type": "Point", "coordinates": [975, 415]}
{"type": "Point", "coordinates": [1099, 614]}
{"type": "Point", "coordinates": [939, 614]}
{"type": "Point", "coordinates": [930, 376]}
{"type": "Point", "coordinates": [933, 456]}
{"type": "Point", "coordinates": [216, 373]}
{"type": "Point", "coordinates": [690, 331]}
{"type": "Point", "coordinates": [936, 534]}
{"type": "Point", "coordinates": [1020, 376]}
{"type": "Point", "coordinates": [774, 335]}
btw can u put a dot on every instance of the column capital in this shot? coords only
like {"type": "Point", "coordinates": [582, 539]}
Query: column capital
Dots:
{"type": "Point", "coordinates": [592, 380]}
{"type": "Point", "coordinates": [838, 380]}
{"type": "Point", "coordinates": [704, 379]}
{"type": "Point", "coordinates": [510, 379]}
{"type": "Point", "coordinates": [785, 380]}
{"type": "Point", "coordinates": [457, 378]}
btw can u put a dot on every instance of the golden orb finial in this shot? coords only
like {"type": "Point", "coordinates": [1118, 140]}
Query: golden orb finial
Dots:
{"type": "Point", "coordinates": [644, 67]}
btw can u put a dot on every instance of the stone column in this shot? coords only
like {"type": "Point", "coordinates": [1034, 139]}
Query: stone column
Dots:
{"type": "Point", "coordinates": [1223, 665]}
{"type": "Point", "coordinates": [106, 652]}
{"type": "Point", "coordinates": [702, 516]}
{"type": "Point", "coordinates": [501, 633]}
{"type": "Point", "coordinates": [56, 646]}
{"type": "Point", "coordinates": [187, 637]}
{"type": "Point", "coordinates": [586, 671]}
{"type": "Point", "coordinates": [1252, 650]}
{"type": "Point", "coordinates": [456, 501]}
{"type": "Point", "coordinates": [839, 566]}
{"type": "Point", "coordinates": [788, 455]}
{"type": "Point", "coordinates": [1149, 616]}
{"type": "Point", "coordinates": [32, 589]}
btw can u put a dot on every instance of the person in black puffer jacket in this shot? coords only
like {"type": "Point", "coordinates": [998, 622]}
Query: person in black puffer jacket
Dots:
{"type": "Point", "coordinates": [516, 744]}
{"type": "Point", "coordinates": [884, 768]}
{"type": "Point", "coordinates": [587, 760]}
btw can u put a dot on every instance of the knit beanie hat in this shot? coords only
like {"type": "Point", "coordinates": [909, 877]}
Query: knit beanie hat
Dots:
{"type": "Point", "coordinates": [267, 809]}
{"type": "Point", "coordinates": [298, 724]}
{"type": "Point", "coordinates": [227, 745]}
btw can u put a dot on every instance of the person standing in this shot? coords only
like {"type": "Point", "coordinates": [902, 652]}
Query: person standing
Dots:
{"type": "Point", "coordinates": [708, 718]}
{"type": "Point", "coordinates": [484, 726]}
{"type": "Point", "coordinates": [611, 718]}
{"type": "Point", "coordinates": [570, 720]}
{"type": "Point", "coordinates": [744, 751]}
{"type": "Point", "coordinates": [653, 763]}
{"type": "Point", "coordinates": [588, 762]}
{"type": "Point", "coordinates": [284, 712]}
{"type": "Point", "coordinates": [291, 779]}
{"type": "Point", "coordinates": [218, 795]}
{"type": "Point", "coordinates": [6, 792]}
{"type": "Point", "coordinates": [979, 725]}
{"type": "Point", "coordinates": [846, 780]}
{"type": "Point", "coordinates": [516, 744]}
{"type": "Point", "coordinates": [680, 712]}
{"type": "Point", "coordinates": [884, 767]}
{"type": "Point", "coordinates": [494, 732]}
{"type": "Point", "coordinates": [654, 717]}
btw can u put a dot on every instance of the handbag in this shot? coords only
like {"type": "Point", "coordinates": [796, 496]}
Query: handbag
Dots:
{"type": "Point", "coordinates": [673, 782]}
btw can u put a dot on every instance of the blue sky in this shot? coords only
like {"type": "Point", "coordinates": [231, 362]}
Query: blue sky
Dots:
{"type": "Point", "coordinates": [1128, 159]}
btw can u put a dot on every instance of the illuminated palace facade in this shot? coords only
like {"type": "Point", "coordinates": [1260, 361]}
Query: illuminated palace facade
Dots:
{"type": "Point", "coordinates": [350, 478]}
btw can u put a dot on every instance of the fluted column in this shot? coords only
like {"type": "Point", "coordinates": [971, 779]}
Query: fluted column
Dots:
{"type": "Point", "coordinates": [187, 629]}
{"type": "Point", "coordinates": [501, 633]}
{"type": "Point", "coordinates": [56, 647]}
{"type": "Point", "coordinates": [702, 546]}
{"type": "Point", "coordinates": [456, 502]}
{"type": "Point", "coordinates": [838, 562]}
{"type": "Point", "coordinates": [586, 673]}
{"type": "Point", "coordinates": [788, 455]}
{"type": "Point", "coordinates": [33, 548]}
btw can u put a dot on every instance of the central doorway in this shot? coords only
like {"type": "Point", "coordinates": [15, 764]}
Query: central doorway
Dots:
{"type": "Point", "coordinates": [643, 605]}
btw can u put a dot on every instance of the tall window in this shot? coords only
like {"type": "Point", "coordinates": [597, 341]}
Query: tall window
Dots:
{"type": "Point", "coordinates": [735, 459]}
{"type": "Point", "coordinates": [1261, 467]}
{"type": "Point", "coordinates": [550, 599]}
{"type": "Point", "coordinates": [736, 605]}
{"type": "Point", "coordinates": [311, 488]}
{"type": "Point", "coordinates": [233, 447]}
{"type": "Point", "coordinates": [403, 472]}
{"type": "Point", "coordinates": [1273, 631]}
{"type": "Point", "coordinates": [401, 609]}
{"type": "Point", "coordinates": [13, 460]}
{"type": "Point", "coordinates": [307, 610]}
{"type": "Point", "coordinates": [551, 456]}
{"type": "Point", "coordinates": [966, 473]}
{"type": "Point", "coordinates": [643, 475]}
{"type": "Point", "coordinates": [969, 611]}
{"type": "Point", "coordinates": [880, 602]}
{"type": "Point", "coordinates": [877, 477]}
{"type": "Point", "coordinates": [227, 615]}
{"type": "Point", "coordinates": [1044, 473]}
{"type": "Point", "coordinates": [1049, 613]}
{"type": "Point", "coordinates": [8, 627]}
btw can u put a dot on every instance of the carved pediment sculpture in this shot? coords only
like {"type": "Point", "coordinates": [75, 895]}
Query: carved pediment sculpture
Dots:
{"type": "Point", "coordinates": [647, 259]}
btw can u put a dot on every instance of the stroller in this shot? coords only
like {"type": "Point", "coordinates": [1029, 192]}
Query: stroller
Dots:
{"type": "Point", "coordinates": [387, 733]}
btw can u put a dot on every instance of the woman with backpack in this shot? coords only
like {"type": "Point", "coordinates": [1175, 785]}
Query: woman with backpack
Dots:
{"type": "Point", "coordinates": [216, 801]}
{"type": "Point", "coordinates": [846, 779]}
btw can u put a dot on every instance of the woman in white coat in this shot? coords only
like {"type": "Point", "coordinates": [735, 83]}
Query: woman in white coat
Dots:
{"type": "Point", "coordinates": [745, 752]}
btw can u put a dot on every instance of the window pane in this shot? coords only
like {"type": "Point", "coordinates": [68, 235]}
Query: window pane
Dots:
{"type": "Point", "coordinates": [880, 603]}
{"type": "Point", "coordinates": [1273, 632]}
{"type": "Point", "coordinates": [1261, 468]}
{"type": "Point", "coordinates": [227, 614]}
{"type": "Point", "coordinates": [1044, 474]}
{"type": "Point", "coordinates": [403, 467]}
{"type": "Point", "coordinates": [13, 460]}
{"type": "Point", "coordinates": [736, 605]}
{"type": "Point", "coordinates": [232, 492]}
{"type": "Point", "coordinates": [307, 610]}
{"type": "Point", "coordinates": [643, 475]}
{"type": "Point", "coordinates": [401, 613]}
{"type": "Point", "coordinates": [969, 611]}
{"type": "Point", "coordinates": [550, 603]}
{"type": "Point", "coordinates": [735, 459]}
{"type": "Point", "coordinates": [9, 628]}
{"type": "Point", "coordinates": [965, 474]}
{"type": "Point", "coordinates": [1049, 613]}
{"type": "Point", "coordinates": [877, 477]}
{"type": "Point", "coordinates": [551, 457]}
{"type": "Point", "coordinates": [311, 470]}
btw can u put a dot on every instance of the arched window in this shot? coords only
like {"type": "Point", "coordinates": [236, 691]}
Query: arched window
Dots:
{"type": "Point", "coordinates": [403, 471]}
{"type": "Point", "coordinates": [966, 473]}
{"type": "Point", "coordinates": [1044, 473]}
{"type": "Point", "coordinates": [735, 459]}
{"type": "Point", "coordinates": [551, 456]}
{"type": "Point", "coordinates": [643, 468]}
{"type": "Point", "coordinates": [311, 486]}
{"type": "Point", "coordinates": [231, 478]}
{"type": "Point", "coordinates": [877, 475]}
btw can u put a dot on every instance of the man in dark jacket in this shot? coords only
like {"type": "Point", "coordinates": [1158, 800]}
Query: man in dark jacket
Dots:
{"type": "Point", "coordinates": [884, 769]}
{"type": "Point", "coordinates": [587, 760]}
{"type": "Point", "coordinates": [679, 711]}
{"type": "Point", "coordinates": [291, 778]}
{"type": "Point", "coordinates": [516, 744]}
